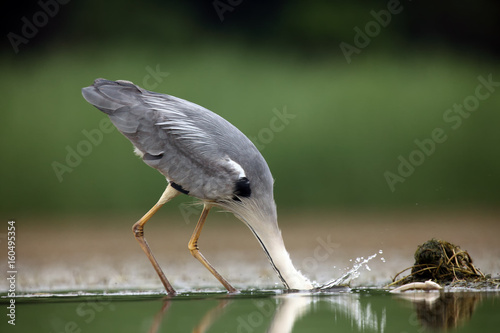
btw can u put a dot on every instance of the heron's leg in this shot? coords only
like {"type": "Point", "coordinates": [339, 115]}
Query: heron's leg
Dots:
{"type": "Point", "coordinates": [138, 230]}
{"type": "Point", "coordinates": [193, 247]}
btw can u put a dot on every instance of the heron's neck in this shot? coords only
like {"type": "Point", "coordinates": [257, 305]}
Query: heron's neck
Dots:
{"type": "Point", "coordinates": [271, 240]}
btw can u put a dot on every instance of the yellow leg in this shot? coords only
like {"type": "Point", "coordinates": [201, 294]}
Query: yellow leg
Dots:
{"type": "Point", "coordinates": [138, 230]}
{"type": "Point", "coordinates": [193, 247]}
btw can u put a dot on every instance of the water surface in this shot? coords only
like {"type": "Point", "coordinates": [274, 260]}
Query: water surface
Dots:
{"type": "Point", "coordinates": [91, 276]}
{"type": "Point", "coordinates": [345, 310]}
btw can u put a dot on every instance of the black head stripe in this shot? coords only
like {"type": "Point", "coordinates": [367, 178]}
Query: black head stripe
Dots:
{"type": "Point", "coordinates": [242, 188]}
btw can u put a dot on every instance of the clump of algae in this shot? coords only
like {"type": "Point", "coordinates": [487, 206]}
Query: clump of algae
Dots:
{"type": "Point", "coordinates": [446, 264]}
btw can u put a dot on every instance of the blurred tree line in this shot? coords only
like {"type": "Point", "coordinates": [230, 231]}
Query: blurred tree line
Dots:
{"type": "Point", "coordinates": [469, 26]}
{"type": "Point", "coordinates": [358, 130]}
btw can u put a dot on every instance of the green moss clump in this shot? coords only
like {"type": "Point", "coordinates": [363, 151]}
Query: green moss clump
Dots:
{"type": "Point", "coordinates": [446, 264]}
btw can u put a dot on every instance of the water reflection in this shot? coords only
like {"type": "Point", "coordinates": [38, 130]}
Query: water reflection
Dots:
{"type": "Point", "coordinates": [211, 316]}
{"type": "Point", "coordinates": [363, 310]}
{"type": "Point", "coordinates": [280, 313]}
{"type": "Point", "coordinates": [205, 323]}
{"type": "Point", "coordinates": [443, 310]}
{"type": "Point", "coordinates": [159, 316]}
{"type": "Point", "coordinates": [346, 306]}
{"type": "Point", "coordinates": [290, 309]}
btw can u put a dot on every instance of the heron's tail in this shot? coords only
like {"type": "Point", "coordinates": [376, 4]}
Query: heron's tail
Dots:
{"type": "Point", "coordinates": [123, 102]}
{"type": "Point", "coordinates": [109, 96]}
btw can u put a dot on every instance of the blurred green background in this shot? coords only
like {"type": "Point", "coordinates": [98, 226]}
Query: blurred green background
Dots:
{"type": "Point", "coordinates": [352, 119]}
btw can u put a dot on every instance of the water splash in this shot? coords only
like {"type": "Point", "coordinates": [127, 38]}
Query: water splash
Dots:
{"type": "Point", "coordinates": [351, 274]}
{"type": "Point", "coordinates": [381, 258]}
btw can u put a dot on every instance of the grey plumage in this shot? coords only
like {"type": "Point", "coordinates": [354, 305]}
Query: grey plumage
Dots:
{"type": "Point", "coordinates": [202, 155]}
{"type": "Point", "coordinates": [190, 145]}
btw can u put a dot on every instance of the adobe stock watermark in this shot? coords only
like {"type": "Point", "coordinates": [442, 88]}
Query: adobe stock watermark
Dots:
{"type": "Point", "coordinates": [153, 78]}
{"type": "Point", "coordinates": [277, 124]}
{"type": "Point", "coordinates": [416, 323]}
{"type": "Point", "coordinates": [74, 156]}
{"type": "Point", "coordinates": [321, 253]}
{"type": "Point", "coordinates": [190, 211]}
{"type": "Point", "coordinates": [221, 7]}
{"type": "Point", "coordinates": [31, 26]}
{"type": "Point", "coordinates": [94, 137]}
{"type": "Point", "coordinates": [86, 312]}
{"type": "Point", "coordinates": [453, 118]}
{"type": "Point", "coordinates": [253, 321]}
{"type": "Point", "coordinates": [11, 271]}
{"type": "Point", "coordinates": [372, 29]}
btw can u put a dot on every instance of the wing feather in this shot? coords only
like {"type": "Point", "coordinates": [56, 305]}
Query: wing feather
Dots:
{"type": "Point", "coordinates": [192, 146]}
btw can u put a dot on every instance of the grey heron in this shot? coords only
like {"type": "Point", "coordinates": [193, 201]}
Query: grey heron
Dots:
{"type": "Point", "coordinates": [201, 155]}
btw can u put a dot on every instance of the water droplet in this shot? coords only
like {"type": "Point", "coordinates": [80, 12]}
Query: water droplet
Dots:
{"type": "Point", "coordinates": [380, 251]}
{"type": "Point", "coordinates": [383, 259]}
{"type": "Point", "coordinates": [352, 273]}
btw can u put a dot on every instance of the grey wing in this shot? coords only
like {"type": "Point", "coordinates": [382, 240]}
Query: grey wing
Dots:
{"type": "Point", "coordinates": [182, 140]}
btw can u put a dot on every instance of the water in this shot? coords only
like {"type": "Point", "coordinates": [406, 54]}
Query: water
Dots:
{"type": "Point", "coordinates": [344, 310]}
{"type": "Point", "coordinates": [73, 280]}
{"type": "Point", "coordinates": [352, 273]}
